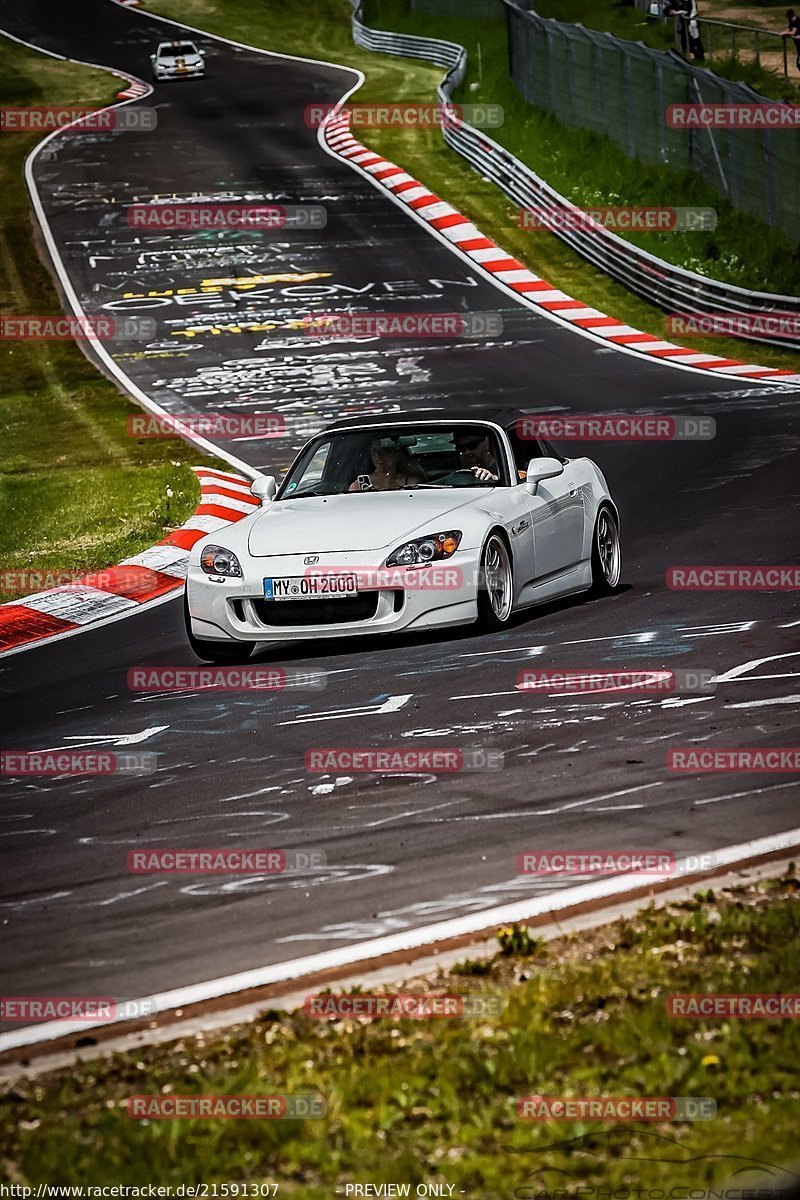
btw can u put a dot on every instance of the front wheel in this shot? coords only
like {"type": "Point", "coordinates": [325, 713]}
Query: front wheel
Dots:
{"type": "Point", "coordinates": [495, 585]}
{"type": "Point", "coordinates": [215, 652]}
{"type": "Point", "coordinates": [606, 553]}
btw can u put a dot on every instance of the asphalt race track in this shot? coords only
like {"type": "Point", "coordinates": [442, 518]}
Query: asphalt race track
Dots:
{"type": "Point", "coordinates": [578, 772]}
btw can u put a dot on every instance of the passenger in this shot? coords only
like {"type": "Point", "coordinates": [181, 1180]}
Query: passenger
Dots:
{"type": "Point", "coordinates": [475, 455]}
{"type": "Point", "coordinates": [393, 468]}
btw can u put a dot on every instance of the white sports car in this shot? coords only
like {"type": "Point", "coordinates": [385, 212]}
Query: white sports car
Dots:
{"type": "Point", "coordinates": [409, 523]}
{"type": "Point", "coordinates": [178, 60]}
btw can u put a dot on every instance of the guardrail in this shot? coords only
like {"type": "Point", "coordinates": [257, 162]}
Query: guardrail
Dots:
{"type": "Point", "coordinates": [669, 287]}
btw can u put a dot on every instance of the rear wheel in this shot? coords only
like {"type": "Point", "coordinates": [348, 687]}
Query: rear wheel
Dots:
{"type": "Point", "coordinates": [606, 553]}
{"type": "Point", "coordinates": [495, 585]}
{"type": "Point", "coordinates": [215, 652]}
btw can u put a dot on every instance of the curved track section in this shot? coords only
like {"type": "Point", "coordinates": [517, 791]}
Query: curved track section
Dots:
{"type": "Point", "coordinates": [579, 771]}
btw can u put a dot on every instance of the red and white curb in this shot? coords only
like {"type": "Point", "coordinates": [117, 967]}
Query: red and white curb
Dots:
{"type": "Point", "coordinates": [152, 575]}
{"type": "Point", "coordinates": [504, 269]}
{"type": "Point", "coordinates": [134, 90]}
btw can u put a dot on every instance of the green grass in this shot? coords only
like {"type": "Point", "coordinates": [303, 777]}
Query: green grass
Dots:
{"type": "Point", "coordinates": [581, 165]}
{"type": "Point", "coordinates": [412, 1101]}
{"type": "Point", "coordinates": [76, 492]}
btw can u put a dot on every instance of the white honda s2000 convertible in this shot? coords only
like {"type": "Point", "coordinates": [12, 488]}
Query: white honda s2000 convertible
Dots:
{"type": "Point", "coordinates": [403, 524]}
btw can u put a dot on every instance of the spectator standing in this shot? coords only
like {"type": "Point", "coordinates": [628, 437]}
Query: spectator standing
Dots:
{"type": "Point", "coordinates": [792, 30]}
{"type": "Point", "coordinates": [693, 30]}
{"type": "Point", "coordinates": [680, 9]}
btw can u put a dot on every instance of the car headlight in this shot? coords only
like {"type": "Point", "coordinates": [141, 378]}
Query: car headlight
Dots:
{"type": "Point", "coordinates": [216, 560]}
{"type": "Point", "coordinates": [429, 549]}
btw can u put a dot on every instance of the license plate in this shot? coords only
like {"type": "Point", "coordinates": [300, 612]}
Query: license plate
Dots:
{"type": "Point", "coordinates": [310, 587]}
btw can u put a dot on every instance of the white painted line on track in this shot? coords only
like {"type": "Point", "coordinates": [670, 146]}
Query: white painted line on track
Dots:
{"type": "Point", "coordinates": [397, 943]}
{"type": "Point", "coordinates": [370, 979]}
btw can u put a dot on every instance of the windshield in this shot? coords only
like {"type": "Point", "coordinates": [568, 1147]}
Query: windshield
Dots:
{"type": "Point", "coordinates": [180, 51]}
{"type": "Point", "coordinates": [392, 458]}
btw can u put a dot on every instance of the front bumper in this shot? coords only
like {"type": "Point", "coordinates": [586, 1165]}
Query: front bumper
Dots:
{"type": "Point", "coordinates": [180, 72]}
{"type": "Point", "coordinates": [235, 609]}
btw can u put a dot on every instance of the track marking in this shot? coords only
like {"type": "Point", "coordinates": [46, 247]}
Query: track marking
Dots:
{"type": "Point", "coordinates": [115, 739]}
{"type": "Point", "coordinates": [392, 704]}
{"type": "Point", "coordinates": [773, 787]}
{"type": "Point", "coordinates": [397, 943]}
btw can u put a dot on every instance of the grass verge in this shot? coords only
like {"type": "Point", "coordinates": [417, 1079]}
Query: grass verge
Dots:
{"type": "Point", "coordinates": [77, 493]}
{"type": "Point", "coordinates": [421, 1101]}
{"type": "Point", "coordinates": [588, 170]}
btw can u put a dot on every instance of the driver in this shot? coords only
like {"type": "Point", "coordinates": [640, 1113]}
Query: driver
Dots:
{"type": "Point", "coordinates": [393, 467]}
{"type": "Point", "coordinates": [475, 455]}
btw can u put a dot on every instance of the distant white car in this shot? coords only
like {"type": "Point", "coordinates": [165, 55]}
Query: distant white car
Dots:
{"type": "Point", "coordinates": [402, 524]}
{"type": "Point", "coordinates": [178, 60]}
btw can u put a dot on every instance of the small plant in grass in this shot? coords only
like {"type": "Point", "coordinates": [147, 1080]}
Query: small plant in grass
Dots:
{"type": "Point", "coordinates": [473, 966]}
{"type": "Point", "coordinates": [517, 939]}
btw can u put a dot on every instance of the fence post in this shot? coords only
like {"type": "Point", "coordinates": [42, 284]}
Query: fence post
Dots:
{"type": "Point", "coordinates": [510, 43]}
{"type": "Point", "coordinates": [769, 175]}
{"type": "Point", "coordinates": [630, 108]}
{"type": "Point", "coordinates": [785, 62]}
{"type": "Point", "coordinates": [570, 71]}
{"type": "Point", "coordinates": [600, 78]}
{"type": "Point", "coordinates": [662, 133]}
{"type": "Point", "coordinates": [696, 89]}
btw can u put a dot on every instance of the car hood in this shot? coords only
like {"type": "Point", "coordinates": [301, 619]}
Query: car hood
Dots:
{"type": "Point", "coordinates": [169, 60]}
{"type": "Point", "coordinates": [324, 525]}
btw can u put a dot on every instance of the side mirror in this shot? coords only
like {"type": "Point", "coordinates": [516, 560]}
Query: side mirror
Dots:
{"type": "Point", "coordinates": [264, 488]}
{"type": "Point", "coordinates": [540, 469]}
{"type": "Point", "coordinates": [202, 53]}
{"type": "Point", "coordinates": [152, 58]}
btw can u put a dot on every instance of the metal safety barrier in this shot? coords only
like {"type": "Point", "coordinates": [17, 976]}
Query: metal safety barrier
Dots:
{"type": "Point", "coordinates": [671, 288]}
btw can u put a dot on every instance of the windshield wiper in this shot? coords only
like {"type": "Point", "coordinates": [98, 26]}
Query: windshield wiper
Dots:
{"type": "Point", "coordinates": [305, 495]}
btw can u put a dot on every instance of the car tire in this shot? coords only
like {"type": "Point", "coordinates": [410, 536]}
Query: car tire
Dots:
{"type": "Point", "coordinates": [495, 584]}
{"type": "Point", "coordinates": [606, 553]}
{"type": "Point", "coordinates": [215, 652]}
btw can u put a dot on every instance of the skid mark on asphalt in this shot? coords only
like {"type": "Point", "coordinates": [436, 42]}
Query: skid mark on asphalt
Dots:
{"type": "Point", "coordinates": [317, 877]}
{"type": "Point", "coordinates": [410, 812]}
{"type": "Point", "coordinates": [755, 791]}
{"type": "Point", "coordinates": [395, 919]}
{"type": "Point", "coordinates": [34, 900]}
{"type": "Point", "coordinates": [23, 832]}
{"type": "Point", "coordinates": [118, 896]}
{"type": "Point", "coordinates": [212, 828]}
